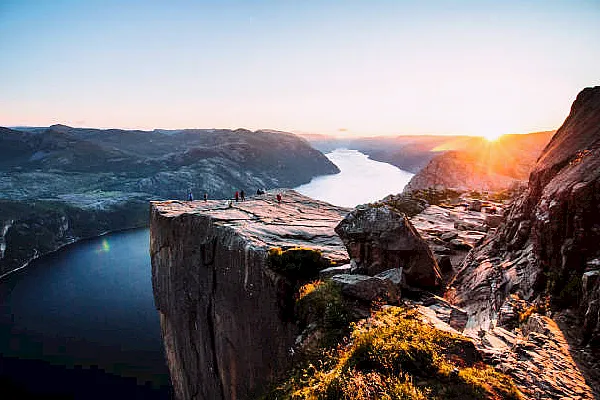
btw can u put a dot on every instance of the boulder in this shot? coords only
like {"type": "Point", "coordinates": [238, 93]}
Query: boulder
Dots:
{"type": "Point", "coordinates": [459, 244]}
{"type": "Point", "coordinates": [589, 279]}
{"type": "Point", "coordinates": [394, 276]}
{"type": "Point", "coordinates": [469, 226]}
{"type": "Point", "coordinates": [365, 288]}
{"type": "Point", "coordinates": [444, 263]}
{"type": "Point", "coordinates": [380, 238]}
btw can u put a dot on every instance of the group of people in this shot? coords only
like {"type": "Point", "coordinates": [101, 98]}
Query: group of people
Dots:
{"type": "Point", "coordinates": [239, 195]}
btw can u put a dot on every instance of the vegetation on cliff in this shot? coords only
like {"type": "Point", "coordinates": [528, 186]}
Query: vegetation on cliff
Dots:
{"type": "Point", "coordinates": [393, 355]}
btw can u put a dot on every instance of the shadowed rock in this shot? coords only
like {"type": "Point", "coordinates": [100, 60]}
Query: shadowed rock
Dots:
{"type": "Point", "coordinates": [379, 239]}
{"type": "Point", "coordinates": [219, 301]}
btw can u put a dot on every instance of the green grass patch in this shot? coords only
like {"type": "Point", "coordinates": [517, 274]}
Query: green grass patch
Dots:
{"type": "Point", "coordinates": [321, 304]}
{"type": "Point", "coordinates": [393, 355]}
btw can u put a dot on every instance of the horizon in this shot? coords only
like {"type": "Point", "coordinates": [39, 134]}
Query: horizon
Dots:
{"type": "Point", "coordinates": [340, 69]}
{"type": "Point", "coordinates": [297, 133]}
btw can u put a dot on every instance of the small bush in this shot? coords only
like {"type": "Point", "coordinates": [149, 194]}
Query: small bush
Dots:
{"type": "Point", "coordinates": [321, 303]}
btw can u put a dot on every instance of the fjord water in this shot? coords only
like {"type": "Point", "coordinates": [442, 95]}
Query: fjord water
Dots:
{"type": "Point", "coordinates": [82, 320]}
{"type": "Point", "coordinates": [360, 181]}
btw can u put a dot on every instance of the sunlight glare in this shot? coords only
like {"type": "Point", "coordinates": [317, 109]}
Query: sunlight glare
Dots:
{"type": "Point", "coordinates": [492, 136]}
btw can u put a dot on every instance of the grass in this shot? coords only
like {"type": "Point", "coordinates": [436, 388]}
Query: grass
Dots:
{"type": "Point", "coordinates": [393, 355]}
{"type": "Point", "coordinates": [321, 305]}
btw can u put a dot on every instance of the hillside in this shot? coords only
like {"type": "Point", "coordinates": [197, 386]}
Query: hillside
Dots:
{"type": "Point", "coordinates": [74, 182]}
{"type": "Point", "coordinates": [478, 164]}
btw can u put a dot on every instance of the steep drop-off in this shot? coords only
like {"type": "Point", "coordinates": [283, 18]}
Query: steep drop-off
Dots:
{"type": "Point", "coordinates": [222, 308]}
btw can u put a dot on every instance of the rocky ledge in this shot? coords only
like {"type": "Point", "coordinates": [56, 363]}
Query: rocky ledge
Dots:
{"type": "Point", "coordinates": [220, 304]}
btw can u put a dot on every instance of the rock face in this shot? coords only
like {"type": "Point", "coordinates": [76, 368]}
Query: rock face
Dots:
{"type": "Point", "coordinates": [481, 165]}
{"type": "Point", "coordinates": [218, 300]}
{"type": "Point", "coordinates": [548, 246]}
{"type": "Point", "coordinates": [552, 232]}
{"type": "Point", "coordinates": [107, 173]}
{"type": "Point", "coordinates": [379, 238]}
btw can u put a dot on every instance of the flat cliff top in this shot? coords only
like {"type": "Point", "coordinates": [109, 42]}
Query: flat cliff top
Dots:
{"type": "Point", "coordinates": [298, 221]}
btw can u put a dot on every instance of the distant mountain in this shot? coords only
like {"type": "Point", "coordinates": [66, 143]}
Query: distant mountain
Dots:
{"type": "Point", "coordinates": [407, 152]}
{"type": "Point", "coordinates": [58, 184]}
{"type": "Point", "coordinates": [477, 164]}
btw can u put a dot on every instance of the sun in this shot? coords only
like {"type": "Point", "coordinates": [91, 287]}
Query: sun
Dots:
{"type": "Point", "coordinates": [491, 136]}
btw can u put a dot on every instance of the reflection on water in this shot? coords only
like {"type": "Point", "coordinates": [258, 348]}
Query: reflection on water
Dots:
{"type": "Point", "coordinates": [360, 181]}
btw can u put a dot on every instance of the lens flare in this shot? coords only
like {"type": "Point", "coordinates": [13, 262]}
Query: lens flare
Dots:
{"type": "Point", "coordinates": [104, 247]}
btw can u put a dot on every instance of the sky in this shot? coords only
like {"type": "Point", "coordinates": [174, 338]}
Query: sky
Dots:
{"type": "Point", "coordinates": [334, 67]}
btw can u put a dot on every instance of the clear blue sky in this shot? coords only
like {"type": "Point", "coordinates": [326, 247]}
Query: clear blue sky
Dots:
{"type": "Point", "coordinates": [359, 67]}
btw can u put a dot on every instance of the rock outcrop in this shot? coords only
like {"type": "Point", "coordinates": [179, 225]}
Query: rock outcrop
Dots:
{"type": "Point", "coordinates": [219, 301]}
{"type": "Point", "coordinates": [552, 232]}
{"type": "Point", "coordinates": [379, 238]}
{"type": "Point", "coordinates": [99, 179]}
{"type": "Point", "coordinates": [548, 247]}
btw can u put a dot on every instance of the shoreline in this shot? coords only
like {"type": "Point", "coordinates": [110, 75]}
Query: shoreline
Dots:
{"type": "Point", "coordinates": [64, 245]}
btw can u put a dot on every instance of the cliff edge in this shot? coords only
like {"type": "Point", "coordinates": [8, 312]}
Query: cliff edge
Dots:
{"type": "Point", "coordinates": [220, 304]}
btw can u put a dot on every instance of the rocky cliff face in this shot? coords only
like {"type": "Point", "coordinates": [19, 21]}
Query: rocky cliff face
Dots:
{"type": "Point", "coordinates": [220, 303]}
{"type": "Point", "coordinates": [549, 246]}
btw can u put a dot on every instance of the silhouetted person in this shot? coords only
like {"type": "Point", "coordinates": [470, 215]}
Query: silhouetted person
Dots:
{"type": "Point", "coordinates": [279, 198]}
{"type": "Point", "coordinates": [243, 195]}
{"type": "Point", "coordinates": [237, 195]}
{"type": "Point", "coordinates": [205, 197]}
{"type": "Point", "coordinates": [190, 196]}
{"type": "Point", "coordinates": [258, 191]}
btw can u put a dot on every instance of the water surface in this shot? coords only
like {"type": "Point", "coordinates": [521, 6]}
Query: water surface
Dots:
{"type": "Point", "coordinates": [86, 311]}
{"type": "Point", "coordinates": [360, 181]}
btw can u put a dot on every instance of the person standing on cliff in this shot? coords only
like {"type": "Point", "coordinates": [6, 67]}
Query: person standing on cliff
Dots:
{"type": "Point", "coordinates": [190, 196]}
{"type": "Point", "coordinates": [237, 195]}
{"type": "Point", "coordinates": [279, 198]}
{"type": "Point", "coordinates": [243, 195]}
{"type": "Point", "coordinates": [205, 196]}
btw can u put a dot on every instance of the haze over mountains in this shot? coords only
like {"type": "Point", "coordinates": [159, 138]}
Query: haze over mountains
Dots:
{"type": "Point", "coordinates": [459, 162]}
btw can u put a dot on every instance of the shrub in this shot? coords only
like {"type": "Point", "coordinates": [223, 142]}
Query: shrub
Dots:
{"type": "Point", "coordinates": [393, 355]}
{"type": "Point", "coordinates": [321, 303]}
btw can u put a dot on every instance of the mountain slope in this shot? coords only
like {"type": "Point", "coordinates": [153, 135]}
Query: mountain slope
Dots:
{"type": "Point", "coordinates": [75, 182]}
{"type": "Point", "coordinates": [482, 165]}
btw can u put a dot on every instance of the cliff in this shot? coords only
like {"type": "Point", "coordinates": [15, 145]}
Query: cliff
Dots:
{"type": "Point", "coordinates": [221, 306]}
{"type": "Point", "coordinates": [60, 184]}
{"type": "Point", "coordinates": [546, 257]}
